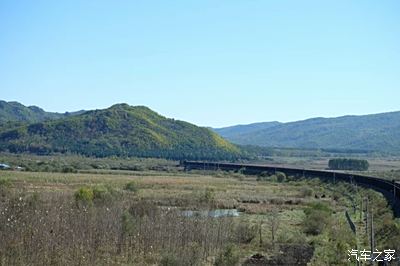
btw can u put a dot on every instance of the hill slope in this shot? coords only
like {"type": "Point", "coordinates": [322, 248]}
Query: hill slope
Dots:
{"type": "Point", "coordinates": [16, 112]}
{"type": "Point", "coordinates": [120, 130]}
{"type": "Point", "coordinates": [377, 132]}
{"type": "Point", "coordinates": [243, 130]}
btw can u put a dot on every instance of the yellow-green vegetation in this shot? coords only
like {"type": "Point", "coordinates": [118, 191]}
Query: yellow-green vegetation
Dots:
{"type": "Point", "coordinates": [16, 112]}
{"type": "Point", "coordinates": [84, 194]}
{"type": "Point", "coordinates": [138, 218]}
{"type": "Point", "coordinates": [120, 130]}
{"type": "Point", "coordinates": [131, 186]}
{"type": "Point", "coordinates": [77, 163]}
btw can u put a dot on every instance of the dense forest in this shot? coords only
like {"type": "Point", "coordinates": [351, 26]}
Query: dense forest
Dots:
{"type": "Point", "coordinates": [11, 112]}
{"type": "Point", "coordinates": [367, 133]}
{"type": "Point", "coordinates": [120, 130]}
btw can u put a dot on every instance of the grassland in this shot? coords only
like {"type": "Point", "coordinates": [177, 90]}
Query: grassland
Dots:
{"type": "Point", "coordinates": [124, 217]}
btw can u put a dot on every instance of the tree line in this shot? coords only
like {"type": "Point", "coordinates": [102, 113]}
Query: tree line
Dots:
{"type": "Point", "coordinates": [348, 164]}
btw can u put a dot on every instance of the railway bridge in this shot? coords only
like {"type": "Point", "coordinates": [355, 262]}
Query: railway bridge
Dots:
{"type": "Point", "coordinates": [389, 189]}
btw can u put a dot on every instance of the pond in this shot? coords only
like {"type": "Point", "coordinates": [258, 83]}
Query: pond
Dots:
{"type": "Point", "coordinates": [212, 213]}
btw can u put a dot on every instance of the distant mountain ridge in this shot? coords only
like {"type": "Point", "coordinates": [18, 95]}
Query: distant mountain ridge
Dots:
{"type": "Point", "coordinates": [376, 132]}
{"type": "Point", "coordinates": [17, 112]}
{"type": "Point", "coordinates": [120, 130]}
{"type": "Point", "coordinates": [246, 129]}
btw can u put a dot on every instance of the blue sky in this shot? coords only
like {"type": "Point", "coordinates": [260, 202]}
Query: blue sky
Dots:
{"type": "Point", "coordinates": [213, 63]}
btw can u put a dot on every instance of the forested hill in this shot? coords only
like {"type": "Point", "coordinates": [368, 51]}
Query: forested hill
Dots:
{"type": "Point", "coordinates": [377, 132]}
{"type": "Point", "coordinates": [240, 130]}
{"type": "Point", "coordinates": [16, 112]}
{"type": "Point", "coordinates": [120, 130]}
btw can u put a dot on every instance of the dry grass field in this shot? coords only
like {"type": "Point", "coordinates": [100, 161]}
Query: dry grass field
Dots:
{"type": "Point", "coordinates": [138, 218]}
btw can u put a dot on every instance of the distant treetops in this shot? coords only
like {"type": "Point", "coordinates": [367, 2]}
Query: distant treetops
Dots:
{"type": "Point", "coordinates": [348, 164]}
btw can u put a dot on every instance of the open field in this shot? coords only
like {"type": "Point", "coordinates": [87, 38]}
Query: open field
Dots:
{"type": "Point", "coordinates": [382, 167]}
{"type": "Point", "coordinates": [136, 218]}
{"type": "Point", "coordinates": [375, 163]}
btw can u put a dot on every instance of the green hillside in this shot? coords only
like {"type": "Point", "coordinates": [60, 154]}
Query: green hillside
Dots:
{"type": "Point", "coordinates": [239, 130]}
{"type": "Point", "coordinates": [377, 132]}
{"type": "Point", "coordinates": [120, 130]}
{"type": "Point", "coordinates": [13, 112]}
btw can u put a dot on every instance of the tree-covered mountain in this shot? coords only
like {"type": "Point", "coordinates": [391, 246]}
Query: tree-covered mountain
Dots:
{"type": "Point", "coordinates": [11, 112]}
{"type": "Point", "coordinates": [120, 130]}
{"type": "Point", "coordinates": [377, 132]}
{"type": "Point", "coordinates": [240, 130]}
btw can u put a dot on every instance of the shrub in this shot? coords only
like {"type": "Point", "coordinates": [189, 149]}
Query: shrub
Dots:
{"type": "Point", "coordinates": [131, 186]}
{"type": "Point", "coordinates": [306, 192]}
{"type": "Point", "coordinates": [242, 170]}
{"type": "Point", "coordinates": [128, 223]}
{"type": "Point", "coordinates": [228, 257]}
{"type": "Point", "coordinates": [193, 254]}
{"type": "Point", "coordinates": [263, 176]}
{"type": "Point", "coordinates": [317, 218]}
{"type": "Point", "coordinates": [103, 193]}
{"type": "Point", "coordinates": [67, 169]}
{"type": "Point", "coordinates": [245, 233]}
{"type": "Point", "coordinates": [273, 178]}
{"type": "Point", "coordinates": [280, 177]}
{"type": "Point", "coordinates": [34, 200]}
{"type": "Point", "coordinates": [4, 182]}
{"type": "Point", "coordinates": [208, 196]}
{"type": "Point", "coordinates": [336, 196]}
{"type": "Point", "coordinates": [169, 259]}
{"type": "Point", "coordinates": [143, 208]}
{"type": "Point", "coordinates": [84, 195]}
{"type": "Point", "coordinates": [291, 237]}
{"type": "Point", "coordinates": [260, 178]}
{"type": "Point", "coordinates": [318, 206]}
{"type": "Point", "coordinates": [190, 255]}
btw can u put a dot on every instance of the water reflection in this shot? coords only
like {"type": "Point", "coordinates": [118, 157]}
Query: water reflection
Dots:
{"type": "Point", "coordinates": [212, 213]}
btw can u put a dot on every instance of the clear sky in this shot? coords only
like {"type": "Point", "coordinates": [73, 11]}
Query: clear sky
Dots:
{"type": "Point", "coordinates": [212, 63]}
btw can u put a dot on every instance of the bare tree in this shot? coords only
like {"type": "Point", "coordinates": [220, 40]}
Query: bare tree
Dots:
{"type": "Point", "coordinates": [273, 222]}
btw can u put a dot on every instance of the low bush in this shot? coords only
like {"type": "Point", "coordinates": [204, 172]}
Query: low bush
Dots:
{"type": "Point", "coordinates": [208, 195]}
{"type": "Point", "coordinates": [280, 177]}
{"type": "Point", "coordinates": [318, 216]}
{"type": "Point", "coordinates": [306, 192]}
{"type": "Point", "coordinates": [65, 169]}
{"type": "Point", "coordinates": [4, 182]}
{"type": "Point", "coordinates": [169, 259]}
{"type": "Point", "coordinates": [228, 257]}
{"type": "Point", "coordinates": [245, 233]}
{"type": "Point", "coordinates": [143, 208]}
{"type": "Point", "coordinates": [103, 193]}
{"type": "Point", "coordinates": [84, 195]}
{"type": "Point", "coordinates": [131, 186]}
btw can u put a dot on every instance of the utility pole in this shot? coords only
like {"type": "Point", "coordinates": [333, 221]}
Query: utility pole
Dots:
{"type": "Point", "coordinates": [366, 217]}
{"type": "Point", "coordinates": [394, 189]}
{"type": "Point", "coordinates": [372, 232]}
{"type": "Point", "coordinates": [260, 233]}
{"type": "Point", "coordinates": [353, 201]}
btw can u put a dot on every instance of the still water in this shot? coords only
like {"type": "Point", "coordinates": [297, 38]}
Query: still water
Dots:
{"type": "Point", "coordinates": [212, 213]}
